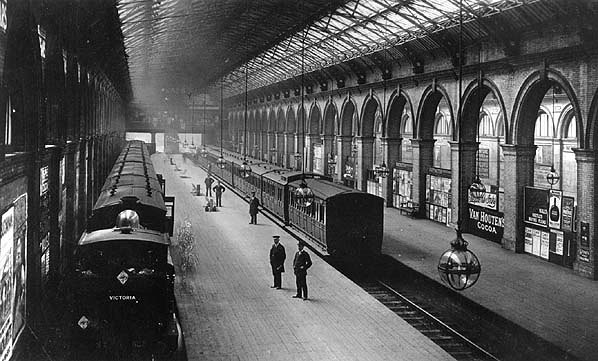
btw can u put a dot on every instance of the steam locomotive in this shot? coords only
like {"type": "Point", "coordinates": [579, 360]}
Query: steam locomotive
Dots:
{"type": "Point", "coordinates": [122, 286]}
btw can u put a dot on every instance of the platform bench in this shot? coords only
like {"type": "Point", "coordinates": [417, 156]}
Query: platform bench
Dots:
{"type": "Point", "coordinates": [409, 208]}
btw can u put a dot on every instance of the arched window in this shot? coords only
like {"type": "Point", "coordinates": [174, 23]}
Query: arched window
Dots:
{"type": "Point", "coordinates": [486, 128]}
{"type": "Point", "coordinates": [500, 125]}
{"type": "Point", "coordinates": [570, 126]}
{"type": "Point", "coordinates": [355, 124]}
{"type": "Point", "coordinates": [442, 125]}
{"type": "Point", "coordinates": [544, 126]}
{"type": "Point", "coordinates": [407, 126]}
{"type": "Point", "coordinates": [378, 154]}
{"type": "Point", "coordinates": [378, 122]}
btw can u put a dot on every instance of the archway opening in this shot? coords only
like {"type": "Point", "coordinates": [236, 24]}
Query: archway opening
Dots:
{"type": "Point", "coordinates": [346, 144]}
{"type": "Point", "coordinates": [371, 147]}
{"type": "Point", "coordinates": [330, 148]}
{"type": "Point", "coordinates": [547, 120]}
{"type": "Point", "coordinates": [437, 124]}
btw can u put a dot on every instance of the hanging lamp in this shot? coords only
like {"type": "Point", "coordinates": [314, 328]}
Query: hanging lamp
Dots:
{"type": "Point", "coordinates": [458, 266]}
{"type": "Point", "coordinates": [382, 171]}
{"type": "Point", "coordinates": [477, 189]}
{"type": "Point", "coordinates": [245, 169]}
{"type": "Point", "coordinates": [304, 196]}
{"type": "Point", "coordinates": [221, 163]}
{"type": "Point", "coordinates": [553, 176]}
{"type": "Point", "coordinates": [204, 151]}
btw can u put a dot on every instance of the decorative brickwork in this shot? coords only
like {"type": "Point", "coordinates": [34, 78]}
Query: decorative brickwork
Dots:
{"type": "Point", "coordinates": [365, 149]}
{"type": "Point", "coordinates": [423, 156]}
{"type": "Point", "coordinates": [463, 159]}
{"type": "Point", "coordinates": [586, 212]}
{"type": "Point", "coordinates": [519, 173]}
{"type": "Point", "coordinates": [391, 147]}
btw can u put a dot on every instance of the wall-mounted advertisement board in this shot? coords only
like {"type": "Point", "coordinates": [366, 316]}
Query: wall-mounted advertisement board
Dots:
{"type": "Point", "coordinates": [536, 206]}
{"type": "Point", "coordinates": [12, 275]}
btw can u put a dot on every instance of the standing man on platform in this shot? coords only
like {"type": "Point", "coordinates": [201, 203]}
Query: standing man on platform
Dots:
{"type": "Point", "coordinates": [209, 180]}
{"type": "Point", "coordinates": [301, 263]}
{"type": "Point", "coordinates": [219, 189]}
{"type": "Point", "coordinates": [254, 203]}
{"type": "Point", "coordinates": [277, 257]}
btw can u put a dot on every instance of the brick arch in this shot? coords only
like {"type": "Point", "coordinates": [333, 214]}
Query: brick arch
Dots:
{"type": "Point", "coordinates": [592, 135]}
{"type": "Point", "coordinates": [528, 102]}
{"type": "Point", "coordinates": [473, 98]}
{"type": "Point", "coordinates": [346, 119]}
{"type": "Point", "coordinates": [426, 112]}
{"type": "Point", "coordinates": [330, 119]}
{"type": "Point", "coordinates": [370, 105]}
{"type": "Point", "coordinates": [396, 108]}
{"type": "Point", "coordinates": [315, 119]}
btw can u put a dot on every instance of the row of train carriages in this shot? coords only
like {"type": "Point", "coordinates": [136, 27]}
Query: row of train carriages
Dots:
{"type": "Point", "coordinates": [342, 223]}
{"type": "Point", "coordinates": [122, 282]}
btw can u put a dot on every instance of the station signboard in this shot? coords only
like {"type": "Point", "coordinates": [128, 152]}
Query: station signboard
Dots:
{"type": "Point", "coordinates": [486, 223]}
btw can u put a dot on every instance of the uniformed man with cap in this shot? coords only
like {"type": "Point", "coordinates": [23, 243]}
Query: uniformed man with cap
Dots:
{"type": "Point", "coordinates": [277, 257]}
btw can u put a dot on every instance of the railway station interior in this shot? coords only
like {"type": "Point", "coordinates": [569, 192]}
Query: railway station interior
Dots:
{"type": "Point", "coordinates": [436, 158]}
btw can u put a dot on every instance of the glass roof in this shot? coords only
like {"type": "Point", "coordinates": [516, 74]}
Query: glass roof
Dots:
{"type": "Point", "coordinates": [358, 28]}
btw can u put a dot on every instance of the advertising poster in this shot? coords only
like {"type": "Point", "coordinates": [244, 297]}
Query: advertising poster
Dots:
{"type": "Point", "coordinates": [554, 210]}
{"type": "Point", "coordinates": [484, 162]}
{"type": "Point", "coordinates": [19, 265]}
{"type": "Point", "coordinates": [536, 206]}
{"type": "Point", "coordinates": [536, 238]}
{"type": "Point", "coordinates": [529, 241]}
{"type": "Point", "coordinates": [6, 283]}
{"type": "Point", "coordinates": [490, 199]}
{"type": "Point", "coordinates": [544, 245]}
{"type": "Point", "coordinates": [584, 234]}
{"type": "Point", "coordinates": [318, 159]}
{"type": "Point", "coordinates": [486, 223]}
{"type": "Point", "coordinates": [567, 214]}
{"type": "Point", "coordinates": [404, 183]}
{"type": "Point", "coordinates": [556, 242]}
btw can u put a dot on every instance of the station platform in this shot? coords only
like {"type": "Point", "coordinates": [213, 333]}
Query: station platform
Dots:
{"type": "Point", "coordinates": [549, 300]}
{"type": "Point", "coordinates": [229, 312]}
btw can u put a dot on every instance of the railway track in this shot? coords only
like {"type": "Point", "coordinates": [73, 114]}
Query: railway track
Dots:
{"type": "Point", "coordinates": [466, 330]}
{"type": "Point", "coordinates": [443, 335]}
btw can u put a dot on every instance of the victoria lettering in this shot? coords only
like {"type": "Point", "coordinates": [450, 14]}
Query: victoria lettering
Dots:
{"type": "Point", "coordinates": [122, 298]}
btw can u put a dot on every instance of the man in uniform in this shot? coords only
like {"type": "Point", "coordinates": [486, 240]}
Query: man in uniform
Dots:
{"type": "Point", "coordinates": [301, 263]}
{"type": "Point", "coordinates": [209, 180]}
{"type": "Point", "coordinates": [219, 189]}
{"type": "Point", "coordinates": [254, 203]}
{"type": "Point", "coordinates": [277, 257]}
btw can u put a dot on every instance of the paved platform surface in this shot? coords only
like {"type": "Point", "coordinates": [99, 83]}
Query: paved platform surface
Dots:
{"type": "Point", "coordinates": [229, 312]}
{"type": "Point", "coordinates": [544, 298]}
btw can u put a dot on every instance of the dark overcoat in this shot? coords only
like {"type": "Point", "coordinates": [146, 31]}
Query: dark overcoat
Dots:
{"type": "Point", "coordinates": [253, 204]}
{"type": "Point", "coordinates": [277, 257]}
{"type": "Point", "coordinates": [301, 263]}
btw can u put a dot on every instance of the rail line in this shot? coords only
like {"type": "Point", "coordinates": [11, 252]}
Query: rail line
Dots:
{"type": "Point", "coordinates": [450, 340]}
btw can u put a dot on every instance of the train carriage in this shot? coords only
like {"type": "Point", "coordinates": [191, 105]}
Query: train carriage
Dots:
{"type": "Point", "coordinates": [123, 278]}
{"type": "Point", "coordinates": [344, 223]}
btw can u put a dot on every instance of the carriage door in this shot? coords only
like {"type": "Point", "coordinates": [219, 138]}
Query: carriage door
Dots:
{"type": "Point", "coordinates": [169, 202]}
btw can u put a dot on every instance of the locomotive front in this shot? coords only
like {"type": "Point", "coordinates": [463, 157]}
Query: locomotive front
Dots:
{"type": "Point", "coordinates": [123, 295]}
